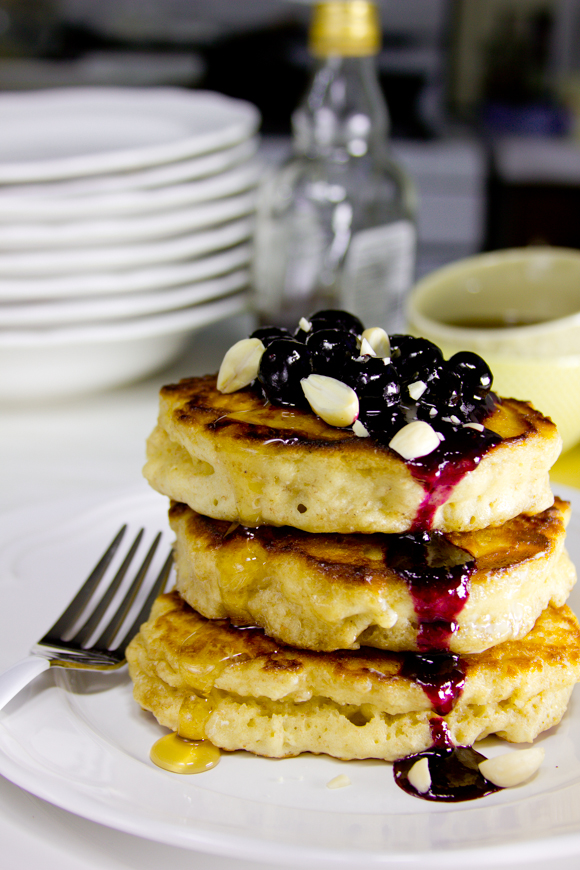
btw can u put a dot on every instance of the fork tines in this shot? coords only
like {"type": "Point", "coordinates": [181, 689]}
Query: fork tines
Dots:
{"type": "Point", "coordinates": [100, 654]}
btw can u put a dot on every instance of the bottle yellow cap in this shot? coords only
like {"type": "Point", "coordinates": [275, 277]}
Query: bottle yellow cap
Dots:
{"type": "Point", "coordinates": [348, 28]}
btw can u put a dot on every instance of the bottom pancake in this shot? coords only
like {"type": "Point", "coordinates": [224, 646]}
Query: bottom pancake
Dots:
{"type": "Point", "coordinates": [243, 690]}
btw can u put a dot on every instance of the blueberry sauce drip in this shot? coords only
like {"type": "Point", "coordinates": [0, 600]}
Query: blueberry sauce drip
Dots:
{"type": "Point", "coordinates": [440, 734]}
{"type": "Point", "coordinates": [454, 770]}
{"type": "Point", "coordinates": [440, 471]}
{"type": "Point", "coordinates": [438, 575]}
{"type": "Point", "coordinates": [441, 676]}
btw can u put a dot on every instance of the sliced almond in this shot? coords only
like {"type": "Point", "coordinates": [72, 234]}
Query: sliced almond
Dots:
{"type": "Point", "coordinates": [360, 430]}
{"type": "Point", "coordinates": [415, 439]}
{"type": "Point", "coordinates": [479, 427]}
{"type": "Point", "coordinates": [366, 349]}
{"type": "Point", "coordinates": [305, 325]}
{"type": "Point", "coordinates": [336, 403]}
{"type": "Point", "coordinates": [378, 340]}
{"type": "Point", "coordinates": [419, 776]}
{"type": "Point", "coordinates": [513, 768]}
{"type": "Point", "coordinates": [240, 365]}
{"type": "Point", "coordinates": [340, 781]}
{"type": "Point", "coordinates": [417, 389]}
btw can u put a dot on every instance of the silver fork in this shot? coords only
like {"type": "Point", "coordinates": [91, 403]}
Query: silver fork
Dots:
{"type": "Point", "coordinates": [55, 649]}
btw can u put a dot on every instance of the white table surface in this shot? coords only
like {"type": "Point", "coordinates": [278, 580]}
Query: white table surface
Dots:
{"type": "Point", "coordinates": [87, 450]}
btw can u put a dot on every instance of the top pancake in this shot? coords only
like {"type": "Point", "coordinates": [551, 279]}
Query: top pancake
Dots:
{"type": "Point", "coordinates": [233, 457]}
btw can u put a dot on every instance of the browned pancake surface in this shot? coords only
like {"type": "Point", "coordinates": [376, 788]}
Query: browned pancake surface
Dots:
{"type": "Point", "coordinates": [232, 457]}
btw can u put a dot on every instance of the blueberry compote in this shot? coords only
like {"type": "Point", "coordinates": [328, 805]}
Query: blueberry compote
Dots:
{"type": "Point", "coordinates": [454, 770]}
{"type": "Point", "coordinates": [440, 471]}
{"type": "Point", "coordinates": [441, 676]}
{"type": "Point", "coordinates": [414, 382]}
{"type": "Point", "coordinates": [437, 574]}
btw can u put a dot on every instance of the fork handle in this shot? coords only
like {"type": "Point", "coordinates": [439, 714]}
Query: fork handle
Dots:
{"type": "Point", "coordinates": [19, 675]}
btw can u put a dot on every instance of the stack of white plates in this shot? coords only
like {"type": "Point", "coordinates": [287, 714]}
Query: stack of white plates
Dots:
{"type": "Point", "coordinates": [126, 219]}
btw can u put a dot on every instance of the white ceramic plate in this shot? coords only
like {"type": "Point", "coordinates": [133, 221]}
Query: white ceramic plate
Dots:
{"type": "Point", "coordinates": [143, 179]}
{"type": "Point", "coordinates": [119, 330]}
{"type": "Point", "coordinates": [83, 260]}
{"type": "Point", "coordinates": [118, 230]}
{"type": "Point", "coordinates": [156, 277]}
{"type": "Point", "coordinates": [80, 311]}
{"type": "Point", "coordinates": [133, 202]}
{"type": "Point", "coordinates": [88, 131]}
{"type": "Point", "coordinates": [40, 365]}
{"type": "Point", "coordinates": [82, 743]}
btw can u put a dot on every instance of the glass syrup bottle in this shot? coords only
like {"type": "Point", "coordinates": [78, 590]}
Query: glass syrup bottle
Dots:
{"type": "Point", "coordinates": [335, 225]}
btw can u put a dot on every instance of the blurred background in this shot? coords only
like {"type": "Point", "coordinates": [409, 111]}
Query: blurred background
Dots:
{"type": "Point", "coordinates": [484, 103]}
{"type": "Point", "coordinates": [484, 95]}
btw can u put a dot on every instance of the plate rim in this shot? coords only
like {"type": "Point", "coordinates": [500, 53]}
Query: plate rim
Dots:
{"type": "Point", "coordinates": [164, 275]}
{"type": "Point", "coordinates": [28, 264]}
{"type": "Point", "coordinates": [181, 320]}
{"type": "Point", "coordinates": [67, 236]}
{"type": "Point", "coordinates": [71, 312]}
{"type": "Point", "coordinates": [244, 120]}
{"type": "Point", "coordinates": [131, 202]}
{"type": "Point", "coordinates": [145, 178]}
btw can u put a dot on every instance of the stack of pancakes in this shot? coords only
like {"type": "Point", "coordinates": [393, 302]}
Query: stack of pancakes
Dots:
{"type": "Point", "coordinates": [312, 613]}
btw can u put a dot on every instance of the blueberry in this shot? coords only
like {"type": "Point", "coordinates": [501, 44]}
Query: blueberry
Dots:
{"type": "Point", "coordinates": [457, 390]}
{"type": "Point", "coordinates": [462, 440]}
{"type": "Point", "coordinates": [416, 359]}
{"type": "Point", "coordinates": [300, 334]}
{"type": "Point", "coordinates": [446, 388]}
{"type": "Point", "coordinates": [284, 363]}
{"type": "Point", "coordinates": [371, 375]}
{"type": "Point", "coordinates": [443, 397]}
{"type": "Point", "coordinates": [484, 408]}
{"type": "Point", "coordinates": [428, 412]}
{"type": "Point", "coordinates": [400, 345]}
{"type": "Point", "coordinates": [474, 372]}
{"type": "Point", "coordinates": [267, 334]}
{"type": "Point", "coordinates": [392, 387]}
{"type": "Point", "coordinates": [336, 319]}
{"type": "Point", "coordinates": [331, 350]}
{"type": "Point", "coordinates": [379, 419]}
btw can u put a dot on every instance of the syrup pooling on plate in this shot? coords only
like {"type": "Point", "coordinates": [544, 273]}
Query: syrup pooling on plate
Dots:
{"type": "Point", "coordinates": [179, 755]}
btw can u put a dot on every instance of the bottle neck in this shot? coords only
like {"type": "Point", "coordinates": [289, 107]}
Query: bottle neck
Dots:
{"type": "Point", "coordinates": [344, 114]}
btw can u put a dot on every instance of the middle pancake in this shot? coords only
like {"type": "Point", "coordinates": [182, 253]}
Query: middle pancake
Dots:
{"type": "Point", "coordinates": [464, 592]}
